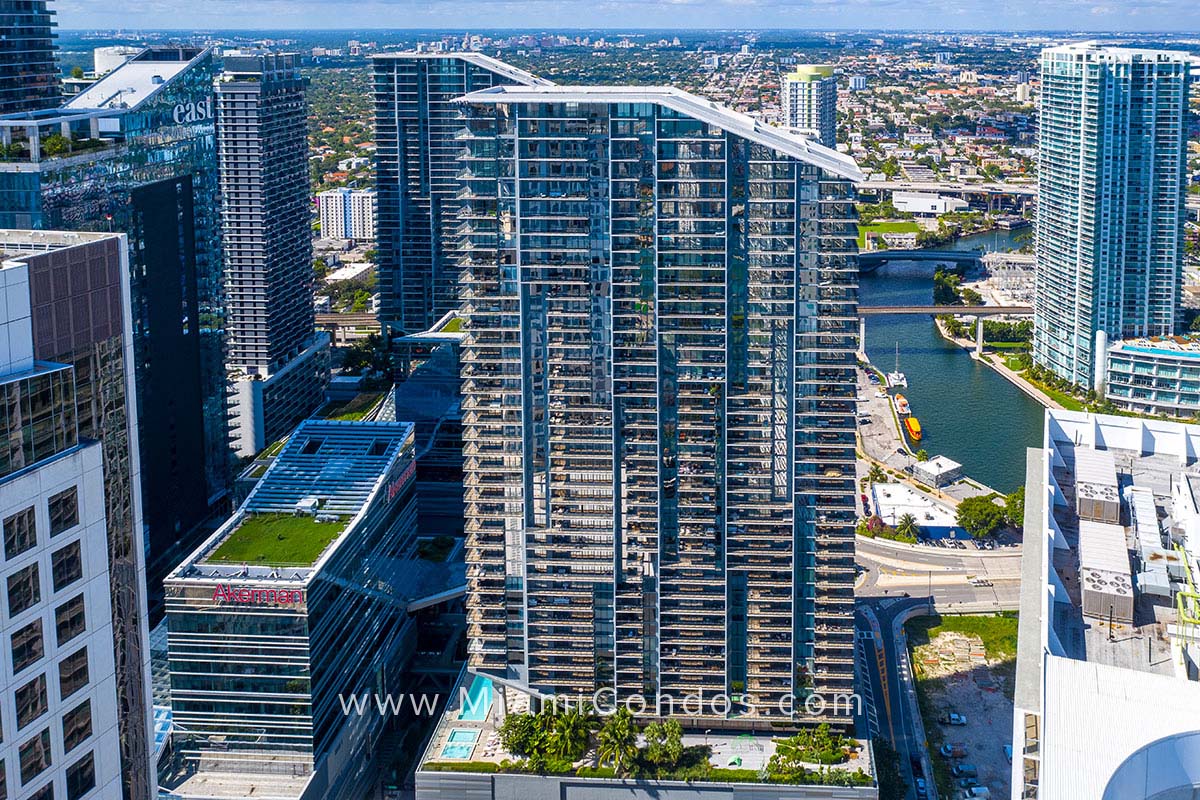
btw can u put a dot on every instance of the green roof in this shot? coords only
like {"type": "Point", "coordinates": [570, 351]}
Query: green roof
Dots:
{"type": "Point", "coordinates": [277, 540]}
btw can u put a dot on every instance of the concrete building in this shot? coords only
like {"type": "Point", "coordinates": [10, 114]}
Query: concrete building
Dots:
{"type": "Point", "coordinates": [808, 100]}
{"type": "Point", "coordinates": [136, 154]}
{"type": "Point", "coordinates": [75, 715]}
{"type": "Point", "coordinates": [29, 79]}
{"type": "Point", "coordinates": [633, 359]}
{"type": "Point", "coordinates": [347, 214]}
{"type": "Point", "coordinates": [858, 83]}
{"type": "Point", "coordinates": [416, 177]}
{"type": "Point", "coordinates": [331, 608]}
{"type": "Point", "coordinates": [1157, 375]}
{"type": "Point", "coordinates": [1107, 697]}
{"type": "Point", "coordinates": [278, 363]}
{"type": "Point", "coordinates": [927, 204]}
{"type": "Point", "coordinates": [1109, 230]}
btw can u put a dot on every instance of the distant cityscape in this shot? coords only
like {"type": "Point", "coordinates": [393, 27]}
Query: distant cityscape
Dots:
{"type": "Point", "coordinates": [665, 414]}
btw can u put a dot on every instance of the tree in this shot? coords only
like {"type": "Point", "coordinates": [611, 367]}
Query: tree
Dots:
{"type": "Point", "coordinates": [617, 741]}
{"type": "Point", "coordinates": [922, 454]}
{"type": "Point", "coordinates": [569, 739]}
{"type": "Point", "coordinates": [518, 734]}
{"type": "Point", "coordinates": [979, 516]}
{"type": "Point", "coordinates": [876, 474]}
{"type": "Point", "coordinates": [1014, 507]}
{"type": "Point", "coordinates": [664, 743]}
{"type": "Point", "coordinates": [55, 144]}
{"type": "Point", "coordinates": [76, 72]}
{"type": "Point", "coordinates": [907, 528]}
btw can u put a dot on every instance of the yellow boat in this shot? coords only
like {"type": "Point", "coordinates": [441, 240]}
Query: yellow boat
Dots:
{"type": "Point", "coordinates": [914, 428]}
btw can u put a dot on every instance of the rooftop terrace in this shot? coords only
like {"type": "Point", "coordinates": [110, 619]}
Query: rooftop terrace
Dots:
{"type": "Point", "coordinates": [277, 540]}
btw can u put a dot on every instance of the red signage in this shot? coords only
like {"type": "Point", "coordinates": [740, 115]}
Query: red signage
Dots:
{"type": "Point", "coordinates": [235, 594]}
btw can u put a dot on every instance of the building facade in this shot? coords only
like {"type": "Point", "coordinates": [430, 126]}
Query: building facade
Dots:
{"type": "Point", "coordinates": [278, 364]}
{"type": "Point", "coordinates": [658, 416]}
{"type": "Point", "coordinates": [808, 100]}
{"type": "Point", "coordinates": [29, 79]}
{"type": "Point", "coordinates": [1111, 184]}
{"type": "Point", "coordinates": [347, 214]}
{"type": "Point", "coordinates": [327, 609]}
{"type": "Point", "coordinates": [1160, 376]}
{"type": "Point", "coordinates": [416, 177]}
{"type": "Point", "coordinates": [75, 714]}
{"type": "Point", "coordinates": [140, 159]}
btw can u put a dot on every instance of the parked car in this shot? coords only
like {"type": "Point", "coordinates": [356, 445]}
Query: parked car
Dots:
{"type": "Point", "coordinates": [977, 791]}
{"type": "Point", "coordinates": [1008, 753]}
{"type": "Point", "coordinates": [953, 750]}
{"type": "Point", "coordinates": [965, 771]}
{"type": "Point", "coordinates": [921, 789]}
{"type": "Point", "coordinates": [967, 783]}
{"type": "Point", "coordinates": [953, 719]}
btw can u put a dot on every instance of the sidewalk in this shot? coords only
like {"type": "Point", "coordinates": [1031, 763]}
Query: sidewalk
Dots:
{"type": "Point", "coordinates": [996, 362]}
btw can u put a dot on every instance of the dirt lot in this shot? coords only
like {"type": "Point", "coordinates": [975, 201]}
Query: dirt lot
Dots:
{"type": "Point", "coordinates": [955, 673]}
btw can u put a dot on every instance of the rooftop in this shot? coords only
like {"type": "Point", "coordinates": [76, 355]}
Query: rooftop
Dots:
{"type": "Point", "coordinates": [799, 147]}
{"type": "Point", "coordinates": [137, 80]}
{"type": "Point", "coordinates": [278, 540]}
{"type": "Point", "coordinates": [1187, 345]}
{"type": "Point", "coordinates": [478, 59]}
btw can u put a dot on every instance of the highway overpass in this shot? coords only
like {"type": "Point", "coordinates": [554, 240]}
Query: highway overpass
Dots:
{"type": "Point", "coordinates": [871, 260]}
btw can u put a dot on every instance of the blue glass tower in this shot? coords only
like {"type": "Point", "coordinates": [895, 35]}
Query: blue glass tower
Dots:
{"type": "Point", "coordinates": [1111, 185]}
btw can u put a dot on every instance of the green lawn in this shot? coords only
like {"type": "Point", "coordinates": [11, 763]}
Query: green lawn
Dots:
{"type": "Point", "coordinates": [902, 226]}
{"type": "Point", "coordinates": [453, 326]}
{"type": "Point", "coordinates": [278, 540]}
{"type": "Point", "coordinates": [356, 409]}
{"type": "Point", "coordinates": [998, 631]}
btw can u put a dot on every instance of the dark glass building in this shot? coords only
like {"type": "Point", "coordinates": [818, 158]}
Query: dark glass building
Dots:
{"type": "Point", "coordinates": [658, 381]}
{"type": "Point", "coordinates": [416, 176]}
{"type": "Point", "coordinates": [29, 79]}
{"type": "Point", "coordinates": [136, 153]}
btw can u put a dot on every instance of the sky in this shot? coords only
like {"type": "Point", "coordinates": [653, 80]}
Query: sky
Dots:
{"type": "Point", "coordinates": [1090, 15]}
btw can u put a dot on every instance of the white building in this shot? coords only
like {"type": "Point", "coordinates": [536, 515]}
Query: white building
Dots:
{"type": "Point", "coordinates": [1107, 703]}
{"type": "Point", "coordinates": [347, 214]}
{"type": "Point", "coordinates": [858, 83]}
{"type": "Point", "coordinates": [808, 100]}
{"type": "Point", "coordinates": [59, 733]}
{"type": "Point", "coordinates": [925, 203]}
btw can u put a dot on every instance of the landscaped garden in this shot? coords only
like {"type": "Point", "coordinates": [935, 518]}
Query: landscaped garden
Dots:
{"type": "Point", "coordinates": [283, 540]}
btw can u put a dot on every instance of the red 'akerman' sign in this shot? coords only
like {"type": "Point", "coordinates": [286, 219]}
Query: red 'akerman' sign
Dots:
{"type": "Point", "coordinates": [235, 594]}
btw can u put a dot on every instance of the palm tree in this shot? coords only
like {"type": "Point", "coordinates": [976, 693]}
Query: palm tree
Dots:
{"type": "Point", "coordinates": [570, 737]}
{"type": "Point", "coordinates": [907, 527]}
{"type": "Point", "coordinates": [876, 474]}
{"type": "Point", "coordinates": [617, 741]}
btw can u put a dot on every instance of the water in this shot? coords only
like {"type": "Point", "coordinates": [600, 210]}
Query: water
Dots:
{"type": "Point", "coordinates": [967, 411]}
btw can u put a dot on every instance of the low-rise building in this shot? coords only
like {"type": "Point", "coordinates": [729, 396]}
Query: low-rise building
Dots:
{"type": "Point", "coordinates": [1106, 697]}
{"type": "Point", "coordinates": [938, 471]}
{"type": "Point", "coordinates": [317, 574]}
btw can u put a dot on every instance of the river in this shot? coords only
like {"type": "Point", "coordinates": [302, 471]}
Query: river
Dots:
{"type": "Point", "coordinates": [967, 412]}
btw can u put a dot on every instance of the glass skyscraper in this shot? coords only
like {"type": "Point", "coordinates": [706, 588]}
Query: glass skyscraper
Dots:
{"type": "Point", "coordinates": [29, 78]}
{"type": "Point", "coordinates": [1111, 185]}
{"type": "Point", "coordinates": [416, 176]}
{"type": "Point", "coordinates": [278, 364]}
{"type": "Point", "coordinates": [660, 299]}
{"type": "Point", "coordinates": [136, 153]}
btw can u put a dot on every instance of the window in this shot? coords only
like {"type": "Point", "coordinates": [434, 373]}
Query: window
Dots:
{"type": "Point", "coordinates": [66, 565]}
{"type": "Point", "coordinates": [31, 701]}
{"type": "Point", "coordinates": [77, 725]}
{"type": "Point", "coordinates": [35, 756]}
{"type": "Point", "coordinates": [20, 533]}
{"type": "Point", "coordinates": [69, 620]}
{"type": "Point", "coordinates": [44, 793]}
{"type": "Point", "coordinates": [3, 781]}
{"type": "Point", "coordinates": [73, 673]}
{"type": "Point", "coordinates": [27, 645]}
{"type": "Point", "coordinates": [24, 590]}
{"type": "Point", "coordinates": [81, 777]}
{"type": "Point", "coordinates": [64, 511]}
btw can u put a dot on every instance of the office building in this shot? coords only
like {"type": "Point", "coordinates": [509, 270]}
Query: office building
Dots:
{"type": "Point", "coordinates": [76, 720]}
{"type": "Point", "coordinates": [316, 572]}
{"type": "Point", "coordinates": [347, 214]}
{"type": "Point", "coordinates": [29, 78]}
{"type": "Point", "coordinates": [277, 362]}
{"type": "Point", "coordinates": [1109, 229]}
{"type": "Point", "coordinates": [808, 100]}
{"type": "Point", "coordinates": [660, 299]}
{"type": "Point", "coordinates": [416, 176]}
{"type": "Point", "coordinates": [1106, 696]}
{"type": "Point", "coordinates": [136, 153]}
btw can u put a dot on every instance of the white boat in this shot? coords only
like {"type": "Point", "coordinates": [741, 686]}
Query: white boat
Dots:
{"type": "Point", "coordinates": [896, 377]}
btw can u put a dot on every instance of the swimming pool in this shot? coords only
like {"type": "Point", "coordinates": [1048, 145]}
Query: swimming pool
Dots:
{"type": "Point", "coordinates": [478, 702]}
{"type": "Point", "coordinates": [458, 750]}
{"type": "Point", "coordinates": [463, 736]}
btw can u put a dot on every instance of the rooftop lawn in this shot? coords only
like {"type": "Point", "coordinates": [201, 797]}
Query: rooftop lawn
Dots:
{"type": "Point", "coordinates": [355, 409]}
{"type": "Point", "coordinates": [277, 540]}
{"type": "Point", "coordinates": [900, 226]}
{"type": "Point", "coordinates": [453, 326]}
